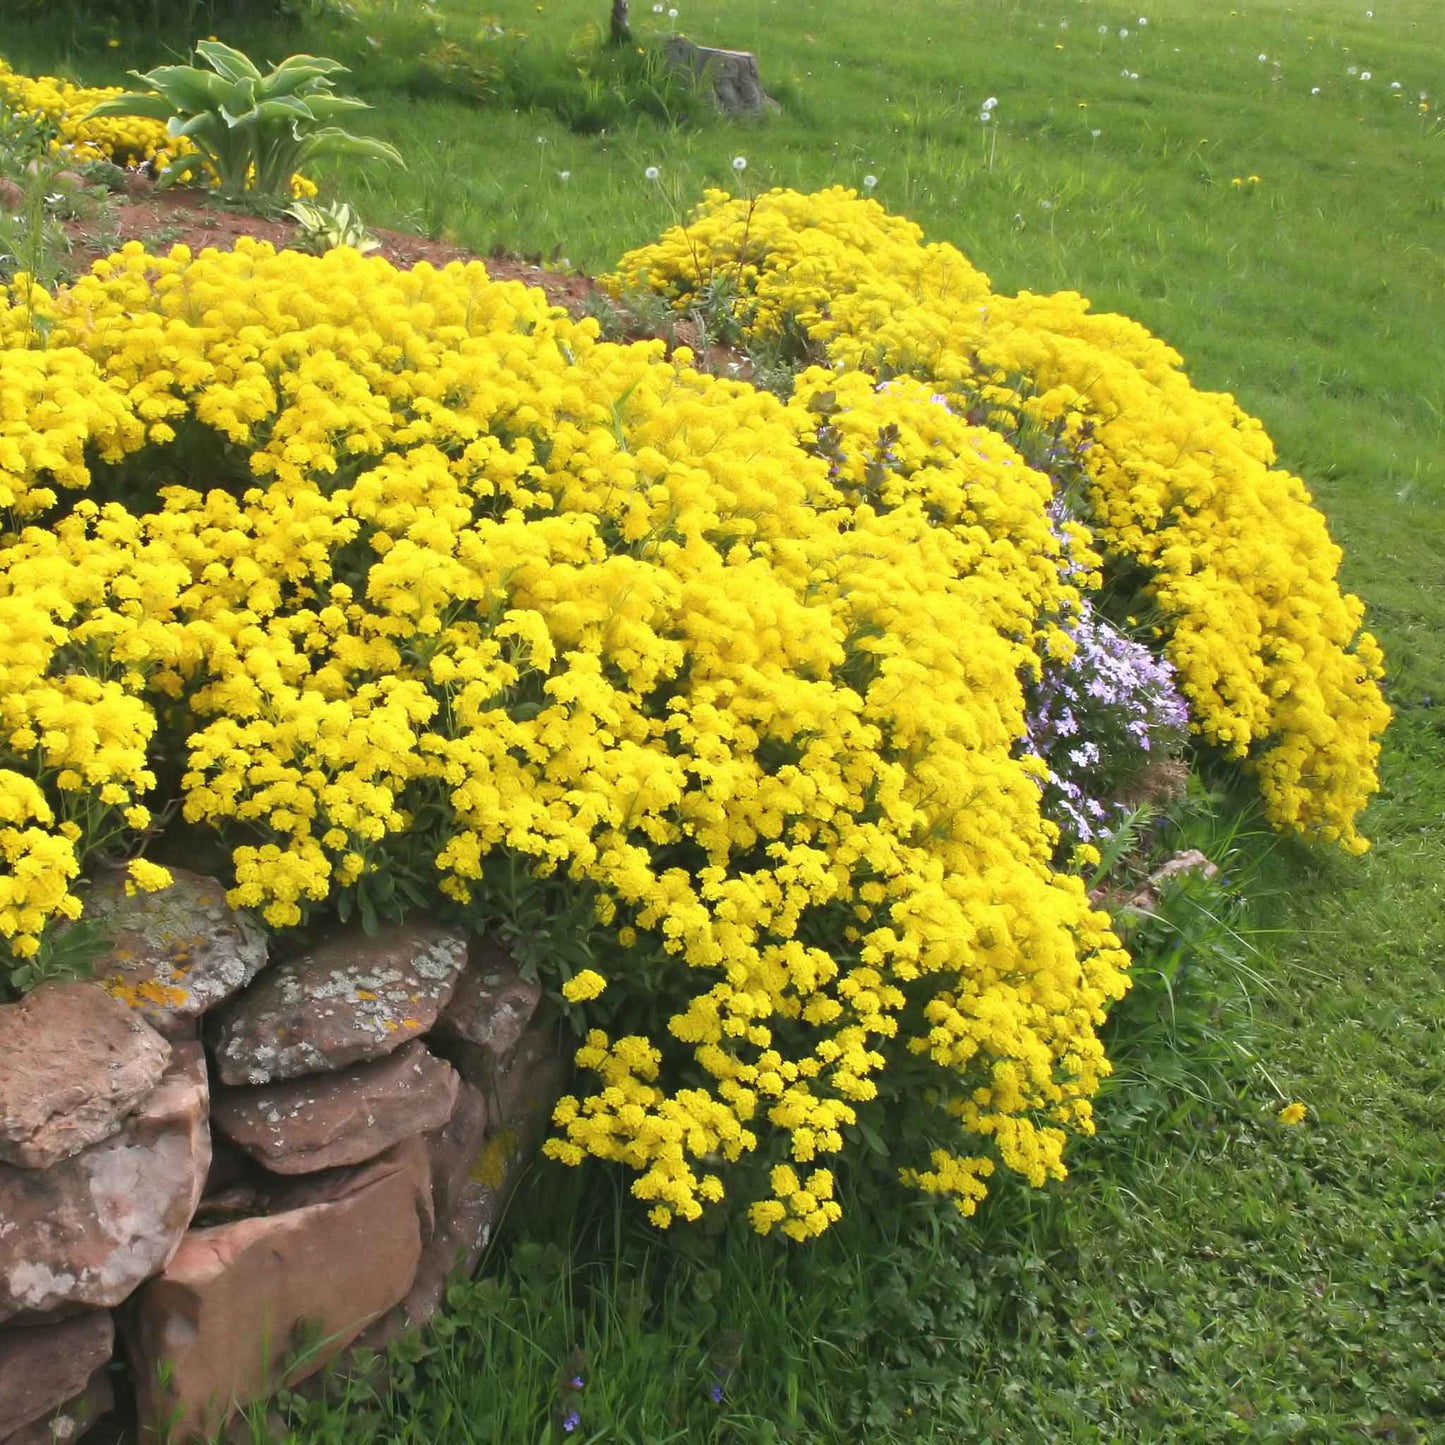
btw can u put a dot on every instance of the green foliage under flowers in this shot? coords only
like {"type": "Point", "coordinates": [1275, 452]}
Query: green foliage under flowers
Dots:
{"type": "Point", "coordinates": [252, 131]}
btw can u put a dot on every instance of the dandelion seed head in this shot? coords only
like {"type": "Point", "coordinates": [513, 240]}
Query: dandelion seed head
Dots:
{"type": "Point", "coordinates": [651, 173]}
{"type": "Point", "coordinates": [740, 163]}
{"type": "Point", "coordinates": [869, 182]}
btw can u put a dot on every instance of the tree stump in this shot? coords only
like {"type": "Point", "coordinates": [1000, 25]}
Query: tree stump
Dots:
{"type": "Point", "coordinates": [733, 74]}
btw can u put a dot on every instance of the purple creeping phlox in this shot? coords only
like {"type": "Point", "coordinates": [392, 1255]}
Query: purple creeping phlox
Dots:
{"type": "Point", "coordinates": [1096, 721]}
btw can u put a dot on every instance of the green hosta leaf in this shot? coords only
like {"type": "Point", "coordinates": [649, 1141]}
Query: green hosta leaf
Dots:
{"type": "Point", "coordinates": [328, 107]}
{"type": "Point", "coordinates": [152, 107]}
{"type": "Point", "coordinates": [286, 107]}
{"type": "Point", "coordinates": [205, 128]}
{"type": "Point", "coordinates": [185, 87]}
{"type": "Point", "coordinates": [179, 170]}
{"type": "Point", "coordinates": [228, 62]}
{"type": "Point", "coordinates": [298, 73]}
{"type": "Point", "coordinates": [241, 97]}
{"type": "Point", "coordinates": [333, 141]}
{"type": "Point", "coordinates": [233, 122]}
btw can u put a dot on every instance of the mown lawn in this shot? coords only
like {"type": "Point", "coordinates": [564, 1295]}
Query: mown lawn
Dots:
{"type": "Point", "coordinates": [1231, 179]}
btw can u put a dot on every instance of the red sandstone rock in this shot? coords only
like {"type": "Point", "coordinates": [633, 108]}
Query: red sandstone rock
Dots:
{"type": "Point", "coordinates": [325, 1120]}
{"type": "Point", "coordinates": [72, 1419]}
{"type": "Point", "coordinates": [43, 1368]}
{"type": "Point", "coordinates": [410, 1158]}
{"type": "Point", "coordinates": [175, 953]}
{"type": "Point", "coordinates": [229, 1312]}
{"type": "Point", "coordinates": [466, 1209]}
{"type": "Point", "coordinates": [352, 998]}
{"type": "Point", "coordinates": [493, 1003]}
{"type": "Point", "coordinates": [73, 1064]}
{"type": "Point", "coordinates": [476, 1162]}
{"type": "Point", "coordinates": [89, 1229]}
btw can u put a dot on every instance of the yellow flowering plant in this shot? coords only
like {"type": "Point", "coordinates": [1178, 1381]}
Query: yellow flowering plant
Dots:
{"type": "Point", "coordinates": [468, 597]}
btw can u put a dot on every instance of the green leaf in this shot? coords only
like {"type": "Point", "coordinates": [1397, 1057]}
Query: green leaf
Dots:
{"type": "Point", "coordinates": [300, 72]}
{"type": "Point", "coordinates": [205, 126]}
{"type": "Point", "coordinates": [328, 107]}
{"type": "Point", "coordinates": [152, 107]}
{"type": "Point", "coordinates": [186, 88]}
{"type": "Point", "coordinates": [332, 141]}
{"type": "Point", "coordinates": [241, 97]}
{"type": "Point", "coordinates": [233, 64]}
{"type": "Point", "coordinates": [181, 169]}
{"type": "Point", "coordinates": [284, 108]}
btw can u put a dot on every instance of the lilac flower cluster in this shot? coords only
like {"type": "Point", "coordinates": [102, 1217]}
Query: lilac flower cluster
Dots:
{"type": "Point", "coordinates": [1097, 721]}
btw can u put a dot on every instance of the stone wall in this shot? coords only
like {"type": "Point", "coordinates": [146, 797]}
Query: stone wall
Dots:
{"type": "Point", "coordinates": [227, 1170]}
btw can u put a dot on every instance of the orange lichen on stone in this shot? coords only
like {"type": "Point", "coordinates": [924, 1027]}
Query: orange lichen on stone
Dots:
{"type": "Point", "coordinates": [490, 1167]}
{"type": "Point", "coordinates": [145, 994]}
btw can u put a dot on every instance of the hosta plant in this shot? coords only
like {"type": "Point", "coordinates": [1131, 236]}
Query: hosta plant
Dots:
{"type": "Point", "coordinates": [324, 226]}
{"type": "Point", "coordinates": [251, 132]}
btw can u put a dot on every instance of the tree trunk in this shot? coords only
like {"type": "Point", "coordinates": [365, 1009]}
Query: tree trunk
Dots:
{"type": "Point", "coordinates": [621, 27]}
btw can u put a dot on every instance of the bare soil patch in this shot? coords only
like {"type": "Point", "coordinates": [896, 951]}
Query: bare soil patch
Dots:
{"type": "Point", "coordinates": [188, 217]}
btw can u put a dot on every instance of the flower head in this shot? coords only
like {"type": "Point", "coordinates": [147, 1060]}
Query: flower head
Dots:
{"type": "Point", "coordinates": [1293, 1113]}
{"type": "Point", "coordinates": [586, 985]}
{"type": "Point", "coordinates": [740, 163]}
{"type": "Point", "coordinates": [147, 877]}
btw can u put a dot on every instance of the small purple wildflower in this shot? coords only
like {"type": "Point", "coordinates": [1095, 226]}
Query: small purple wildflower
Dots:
{"type": "Point", "coordinates": [715, 1391]}
{"type": "Point", "coordinates": [577, 1382]}
{"type": "Point", "coordinates": [571, 1421]}
{"type": "Point", "coordinates": [1096, 719]}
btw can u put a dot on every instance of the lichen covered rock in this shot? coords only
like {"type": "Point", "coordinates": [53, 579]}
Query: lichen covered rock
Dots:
{"type": "Point", "coordinates": [176, 953]}
{"type": "Point", "coordinates": [350, 999]}
{"type": "Point", "coordinates": [73, 1064]}
{"type": "Point", "coordinates": [321, 1121]}
{"type": "Point", "coordinates": [91, 1228]}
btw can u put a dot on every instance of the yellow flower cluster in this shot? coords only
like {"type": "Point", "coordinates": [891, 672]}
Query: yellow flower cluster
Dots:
{"type": "Point", "coordinates": [126, 140]}
{"type": "Point", "coordinates": [1269, 652]}
{"type": "Point", "coordinates": [427, 562]}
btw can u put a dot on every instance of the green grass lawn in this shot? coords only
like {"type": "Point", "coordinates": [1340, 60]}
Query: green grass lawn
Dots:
{"type": "Point", "coordinates": [1215, 1277]}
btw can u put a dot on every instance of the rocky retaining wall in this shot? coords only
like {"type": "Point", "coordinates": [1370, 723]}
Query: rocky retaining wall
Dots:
{"type": "Point", "coordinates": [231, 1171]}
